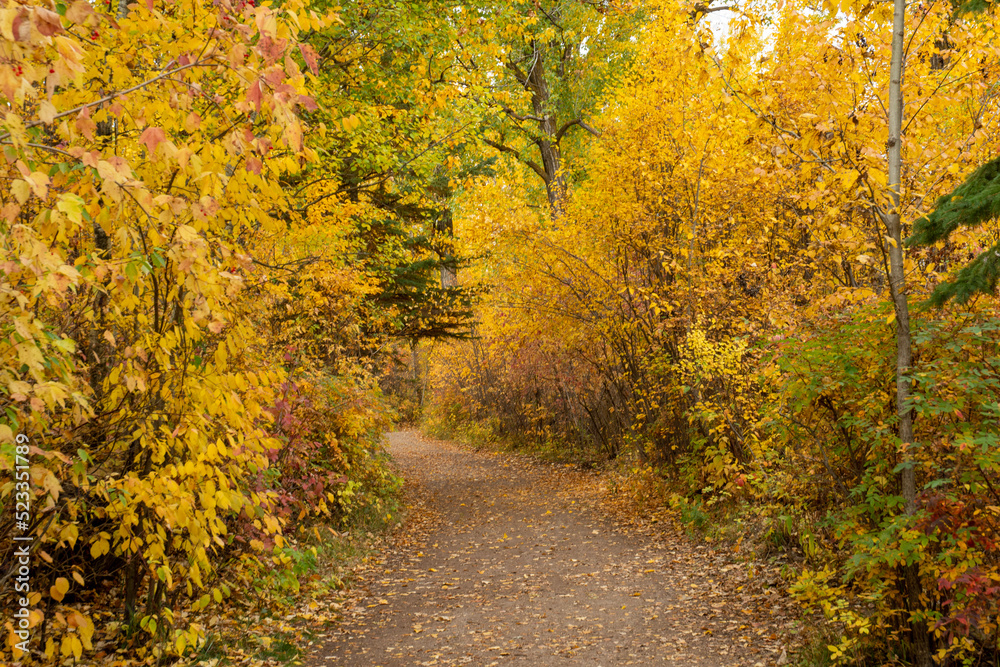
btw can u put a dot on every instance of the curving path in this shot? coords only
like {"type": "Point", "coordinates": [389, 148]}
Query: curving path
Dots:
{"type": "Point", "coordinates": [521, 566]}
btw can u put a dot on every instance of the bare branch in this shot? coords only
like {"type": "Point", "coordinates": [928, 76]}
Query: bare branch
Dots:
{"type": "Point", "coordinates": [704, 9]}
{"type": "Point", "coordinates": [551, 18]}
{"type": "Point", "coordinates": [513, 114]}
{"type": "Point", "coordinates": [516, 153]}
{"type": "Point", "coordinates": [108, 98]}
{"type": "Point", "coordinates": [767, 118]}
{"type": "Point", "coordinates": [562, 130]}
{"type": "Point", "coordinates": [519, 74]}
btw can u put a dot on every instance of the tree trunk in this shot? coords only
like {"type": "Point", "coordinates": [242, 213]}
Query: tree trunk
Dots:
{"type": "Point", "coordinates": [904, 356]}
{"type": "Point", "coordinates": [418, 386]}
{"type": "Point", "coordinates": [555, 182]}
{"type": "Point", "coordinates": [445, 227]}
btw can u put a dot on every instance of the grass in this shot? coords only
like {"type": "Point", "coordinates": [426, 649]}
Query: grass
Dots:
{"type": "Point", "coordinates": [693, 515]}
{"type": "Point", "coordinates": [212, 649]}
{"type": "Point", "coordinates": [283, 651]}
{"type": "Point", "coordinates": [317, 565]}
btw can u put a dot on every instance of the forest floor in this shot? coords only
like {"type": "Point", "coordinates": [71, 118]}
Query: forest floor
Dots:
{"type": "Point", "coordinates": [504, 559]}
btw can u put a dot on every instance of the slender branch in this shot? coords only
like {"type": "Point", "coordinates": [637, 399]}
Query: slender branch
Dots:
{"type": "Point", "coordinates": [551, 18]}
{"type": "Point", "coordinates": [43, 147]}
{"type": "Point", "coordinates": [756, 112]}
{"type": "Point", "coordinates": [941, 84]}
{"type": "Point", "coordinates": [510, 112]}
{"type": "Point", "coordinates": [516, 153]}
{"type": "Point", "coordinates": [909, 42]}
{"type": "Point", "coordinates": [562, 130]}
{"type": "Point", "coordinates": [295, 265]}
{"type": "Point", "coordinates": [108, 98]}
{"type": "Point", "coordinates": [385, 177]}
{"type": "Point", "coordinates": [704, 9]}
{"type": "Point", "coordinates": [519, 74]}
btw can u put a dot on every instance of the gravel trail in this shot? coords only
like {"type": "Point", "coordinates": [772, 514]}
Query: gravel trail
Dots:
{"type": "Point", "coordinates": [519, 565]}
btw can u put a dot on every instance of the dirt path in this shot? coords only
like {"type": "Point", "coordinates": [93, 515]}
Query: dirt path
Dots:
{"type": "Point", "coordinates": [520, 566]}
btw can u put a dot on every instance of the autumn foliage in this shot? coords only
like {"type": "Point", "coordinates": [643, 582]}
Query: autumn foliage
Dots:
{"type": "Point", "coordinates": [632, 233]}
{"type": "Point", "coordinates": [713, 303]}
{"type": "Point", "coordinates": [187, 403]}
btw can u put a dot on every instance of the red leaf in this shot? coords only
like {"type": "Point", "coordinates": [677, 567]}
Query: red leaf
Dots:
{"type": "Point", "coordinates": [308, 102]}
{"type": "Point", "coordinates": [48, 22]}
{"type": "Point", "coordinates": [22, 27]}
{"type": "Point", "coordinates": [85, 124]}
{"type": "Point", "coordinates": [152, 137]}
{"type": "Point", "coordinates": [274, 76]}
{"type": "Point", "coordinates": [271, 49]}
{"type": "Point", "coordinates": [310, 56]}
{"type": "Point", "coordinates": [254, 94]}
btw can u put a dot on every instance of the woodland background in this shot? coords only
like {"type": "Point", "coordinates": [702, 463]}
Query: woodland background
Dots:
{"type": "Point", "coordinates": [238, 241]}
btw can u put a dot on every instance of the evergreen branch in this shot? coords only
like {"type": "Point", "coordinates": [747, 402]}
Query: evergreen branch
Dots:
{"type": "Point", "coordinates": [973, 202]}
{"type": "Point", "coordinates": [978, 276]}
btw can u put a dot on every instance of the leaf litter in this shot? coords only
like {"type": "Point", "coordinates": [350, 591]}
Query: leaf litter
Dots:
{"type": "Point", "coordinates": [506, 559]}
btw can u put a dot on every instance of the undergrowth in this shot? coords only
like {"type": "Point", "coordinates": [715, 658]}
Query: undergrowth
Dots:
{"type": "Point", "coordinates": [489, 434]}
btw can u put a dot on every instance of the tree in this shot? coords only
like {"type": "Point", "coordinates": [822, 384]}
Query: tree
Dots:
{"type": "Point", "coordinates": [904, 353]}
{"type": "Point", "coordinates": [388, 106]}
{"type": "Point", "coordinates": [724, 291]}
{"type": "Point", "coordinates": [975, 201]}
{"type": "Point", "coordinates": [544, 82]}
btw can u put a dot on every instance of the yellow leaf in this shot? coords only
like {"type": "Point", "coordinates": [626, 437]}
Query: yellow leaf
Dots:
{"type": "Point", "coordinates": [878, 177]}
{"type": "Point", "coordinates": [58, 591]}
{"type": "Point", "coordinates": [46, 111]}
{"type": "Point", "coordinates": [99, 548]}
{"type": "Point", "coordinates": [71, 646]}
{"type": "Point", "coordinates": [848, 178]}
{"type": "Point", "coordinates": [39, 183]}
{"type": "Point", "coordinates": [106, 171]}
{"type": "Point", "coordinates": [21, 190]}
